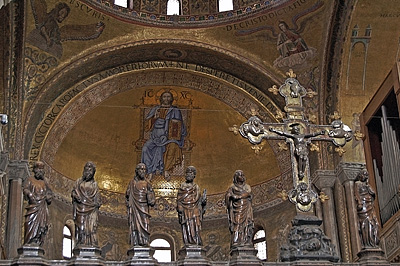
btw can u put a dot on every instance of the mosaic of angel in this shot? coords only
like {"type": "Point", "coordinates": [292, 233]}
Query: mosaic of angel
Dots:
{"type": "Point", "coordinates": [292, 48]}
{"type": "Point", "coordinates": [48, 35]}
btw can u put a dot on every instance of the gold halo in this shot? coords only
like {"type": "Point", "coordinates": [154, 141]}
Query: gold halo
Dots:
{"type": "Point", "coordinates": [173, 92]}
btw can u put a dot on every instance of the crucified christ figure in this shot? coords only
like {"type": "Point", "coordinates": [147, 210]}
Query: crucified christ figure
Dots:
{"type": "Point", "coordinates": [300, 144]}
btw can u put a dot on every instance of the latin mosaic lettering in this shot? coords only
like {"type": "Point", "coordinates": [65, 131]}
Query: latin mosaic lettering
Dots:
{"type": "Point", "coordinates": [39, 139]}
{"type": "Point", "coordinates": [51, 116]}
{"type": "Point", "coordinates": [45, 128]}
{"type": "Point", "coordinates": [115, 70]}
{"type": "Point", "coordinates": [48, 122]}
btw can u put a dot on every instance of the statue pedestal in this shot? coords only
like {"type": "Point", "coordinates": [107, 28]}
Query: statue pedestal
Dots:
{"type": "Point", "coordinates": [87, 255]}
{"type": "Point", "coordinates": [30, 255]}
{"type": "Point", "coordinates": [307, 241]}
{"type": "Point", "coordinates": [141, 256]}
{"type": "Point", "coordinates": [30, 251]}
{"type": "Point", "coordinates": [372, 256]}
{"type": "Point", "coordinates": [243, 256]}
{"type": "Point", "coordinates": [193, 255]}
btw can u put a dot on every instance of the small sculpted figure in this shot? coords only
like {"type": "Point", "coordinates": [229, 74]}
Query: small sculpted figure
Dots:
{"type": "Point", "coordinates": [367, 220]}
{"type": "Point", "coordinates": [300, 144]}
{"type": "Point", "coordinates": [139, 196]}
{"type": "Point", "coordinates": [191, 206]}
{"type": "Point", "coordinates": [254, 127]}
{"type": "Point", "coordinates": [238, 200]}
{"type": "Point", "coordinates": [39, 196]}
{"type": "Point", "coordinates": [86, 204]}
{"type": "Point", "coordinates": [303, 195]}
{"type": "Point", "coordinates": [340, 130]}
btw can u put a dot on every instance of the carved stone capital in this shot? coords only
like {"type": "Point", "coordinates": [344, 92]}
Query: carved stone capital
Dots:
{"type": "Point", "coordinates": [348, 171]}
{"type": "Point", "coordinates": [18, 170]}
{"type": "Point", "coordinates": [324, 179]}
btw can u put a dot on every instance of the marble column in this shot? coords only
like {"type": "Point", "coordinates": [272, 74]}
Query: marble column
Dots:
{"type": "Point", "coordinates": [4, 158]}
{"type": "Point", "coordinates": [18, 171]}
{"type": "Point", "coordinates": [324, 180]}
{"type": "Point", "coordinates": [347, 174]}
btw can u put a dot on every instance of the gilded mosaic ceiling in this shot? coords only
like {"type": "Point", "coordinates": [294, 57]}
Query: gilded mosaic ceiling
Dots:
{"type": "Point", "coordinates": [89, 87]}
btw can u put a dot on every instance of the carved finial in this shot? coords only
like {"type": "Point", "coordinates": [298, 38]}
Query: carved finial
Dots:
{"type": "Point", "coordinates": [291, 74]}
{"type": "Point", "coordinates": [323, 197]}
{"type": "Point", "coordinates": [358, 135]}
{"type": "Point", "coordinates": [257, 148]}
{"type": "Point", "coordinates": [314, 147]}
{"type": "Point", "coordinates": [234, 129]}
{"type": "Point", "coordinates": [279, 115]}
{"type": "Point", "coordinates": [335, 116]}
{"type": "Point", "coordinates": [310, 93]}
{"type": "Point", "coordinates": [282, 146]}
{"type": "Point", "coordinates": [283, 195]}
{"type": "Point", "coordinates": [274, 89]}
{"type": "Point", "coordinates": [340, 151]}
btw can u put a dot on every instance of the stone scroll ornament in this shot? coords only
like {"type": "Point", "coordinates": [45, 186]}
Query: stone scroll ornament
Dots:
{"type": "Point", "coordinates": [299, 133]}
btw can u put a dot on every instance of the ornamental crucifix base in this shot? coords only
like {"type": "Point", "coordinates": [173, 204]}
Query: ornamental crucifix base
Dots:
{"type": "Point", "coordinates": [306, 241]}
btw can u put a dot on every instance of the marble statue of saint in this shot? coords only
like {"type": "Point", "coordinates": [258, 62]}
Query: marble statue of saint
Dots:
{"type": "Point", "coordinates": [191, 205]}
{"type": "Point", "coordinates": [86, 204]}
{"type": "Point", "coordinates": [238, 200]}
{"type": "Point", "coordinates": [139, 197]}
{"type": "Point", "coordinates": [367, 220]}
{"type": "Point", "coordinates": [39, 196]}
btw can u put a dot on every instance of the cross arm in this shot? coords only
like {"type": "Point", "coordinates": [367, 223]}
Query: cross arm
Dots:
{"type": "Point", "coordinates": [255, 130]}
